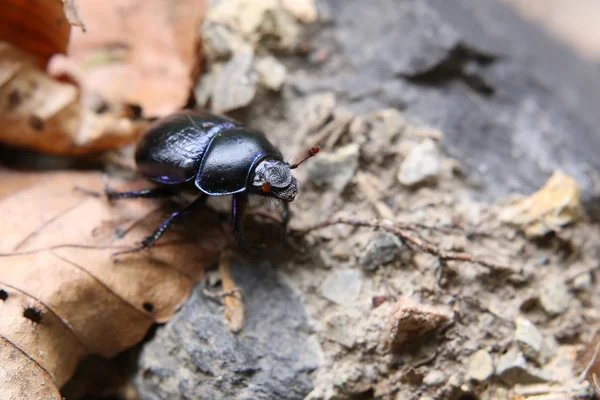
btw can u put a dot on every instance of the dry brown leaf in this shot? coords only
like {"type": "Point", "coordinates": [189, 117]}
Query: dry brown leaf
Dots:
{"type": "Point", "coordinates": [39, 27]}
{"type": "Point", "coordinates": [61, 295]}
{"type": "Point", "coordinates": [137, 52]}
{"type": "Point", "coordinates": [41, 113]}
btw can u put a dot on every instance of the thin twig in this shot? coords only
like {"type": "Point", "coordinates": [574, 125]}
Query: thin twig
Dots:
{"type": "Point", "coordinates": [233, 305]}
{"type": "Point", "coordinates": [400, 230]}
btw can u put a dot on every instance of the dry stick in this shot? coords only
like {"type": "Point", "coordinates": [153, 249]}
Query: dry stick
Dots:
{"type": "Point", "coordinates": [233, 306]}
{"type": "Point", "coordinates": [401, 231]}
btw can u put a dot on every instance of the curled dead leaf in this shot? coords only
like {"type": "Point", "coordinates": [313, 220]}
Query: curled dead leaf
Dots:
{"type": "Point", "coordinates": [137, 52]}
{"type": "Point", "coordinates": [63, 296]}
{"type": "Point", "coordinates": [41, 113]}
{"type": "Point", "coordinates": [38, 27]}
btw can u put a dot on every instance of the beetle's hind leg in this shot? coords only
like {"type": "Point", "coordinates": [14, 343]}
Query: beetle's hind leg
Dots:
{"type": "Point", "coordinates": [162, 191]}
{"type": "Point", "coordinates": [154, 193]}
{"type": "Point", "coordinates": [136, 194]}
{"type": "Point", "coordinates": [149, 241]}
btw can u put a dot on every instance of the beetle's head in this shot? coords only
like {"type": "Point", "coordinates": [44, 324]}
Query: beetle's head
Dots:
{"type": "Point", "coordinates": [274, 178]}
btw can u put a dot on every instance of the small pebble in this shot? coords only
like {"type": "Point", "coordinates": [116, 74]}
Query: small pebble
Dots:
{"type": "Point", "coordinates": [422, 165]}
{"type": "Point", "coordinates": [513, 369]}
{"type": "Point", "coordinates": [410, 319]}
{"type": "Point", "coordinates": [481, 366]}
{"type": "Point", "coordinates": [343, 287]}
{"type": "Point", "coordinates": [555, 297]}
{"type": "Point", "coordinates": [435, 378]}
{"type": "Point", "coordinates": [582, 281]}
{"type": "Point", "coordinates": [271, 72]}
{"type": "Point", "coordinates": [334, 170]}
{"type": "Point", "coordinates": [531, 342]}
{"type": "Point", "coordinates": [383, 249]}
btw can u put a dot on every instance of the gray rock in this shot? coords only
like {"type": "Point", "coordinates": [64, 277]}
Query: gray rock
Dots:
{"type": "Point", "coordinates": [421, 166]}
{"type": "Point", "coordinates": [481, 366]}
{"type": "Point", "coordinates": [514, 105]}
{"type": "Point", "coordinates": [435, 378]}
{"type": "Point", "coordinates": [196, 355]}
{"type": "Point", "coordinates": [343, 286]}
{"type": "Point", "coordinates": [335, 169]}
{"type": "Point", "coordinates": [555, 296]}
{"type": "Point", "coordinates": [513, 369]}
{"type": "Point", "coordinates": [531, 342]}
{"type": "Point", "coordinates": [383, 249]}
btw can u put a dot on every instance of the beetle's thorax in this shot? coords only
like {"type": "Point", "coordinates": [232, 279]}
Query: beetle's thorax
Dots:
{"type": "Point", "coordinates": [274, 178]}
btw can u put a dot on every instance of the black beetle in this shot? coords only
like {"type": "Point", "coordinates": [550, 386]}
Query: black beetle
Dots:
{"type": "Point", "coordinates": [221, 156]}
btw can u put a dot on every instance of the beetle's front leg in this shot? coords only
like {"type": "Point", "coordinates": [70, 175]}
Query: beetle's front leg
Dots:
{"type": "Point", "coordinates": [238, 210]}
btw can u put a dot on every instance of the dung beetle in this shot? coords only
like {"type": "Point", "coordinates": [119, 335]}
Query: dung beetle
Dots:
{"type": "Point", "coordinates": [221, 156]}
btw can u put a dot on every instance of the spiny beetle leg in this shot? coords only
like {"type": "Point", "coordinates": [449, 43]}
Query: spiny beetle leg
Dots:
{"type": "Point", "coordinates": [150, 240]}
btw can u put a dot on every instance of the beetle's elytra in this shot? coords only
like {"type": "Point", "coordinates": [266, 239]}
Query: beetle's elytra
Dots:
{"type": "Point", "coordinates": [220, 155]}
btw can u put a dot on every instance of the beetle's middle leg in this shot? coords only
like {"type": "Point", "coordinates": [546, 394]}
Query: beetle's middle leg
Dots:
{"type": "Point", "coordinates": [162, 228]}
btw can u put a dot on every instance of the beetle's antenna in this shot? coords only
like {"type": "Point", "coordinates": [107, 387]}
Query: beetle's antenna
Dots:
{"type": "Point", "coordinates": [311, 153]}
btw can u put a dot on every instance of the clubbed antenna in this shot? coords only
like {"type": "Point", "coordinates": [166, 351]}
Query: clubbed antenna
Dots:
{"type": "Point", "coordinates": [311, 153]}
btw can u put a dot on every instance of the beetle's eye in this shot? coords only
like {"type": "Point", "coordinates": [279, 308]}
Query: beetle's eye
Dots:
{"type": "Point", "coordinates": [266, 187]}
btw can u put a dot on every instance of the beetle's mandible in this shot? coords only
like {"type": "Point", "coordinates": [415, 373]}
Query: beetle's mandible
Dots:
{"type": "Point", "coordinates": [220, 156]}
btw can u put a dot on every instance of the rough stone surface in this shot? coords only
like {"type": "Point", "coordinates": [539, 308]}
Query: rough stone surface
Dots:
{"type": "Point", "coordinates": [422, 165]}
{"type": "Point", "coordinates": [481, 366]}
{"type": "Point", "coordinates": [196, 355]}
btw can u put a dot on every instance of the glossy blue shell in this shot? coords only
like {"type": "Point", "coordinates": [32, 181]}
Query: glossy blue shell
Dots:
{"type": "Point", "coordinates": [217, 152]}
